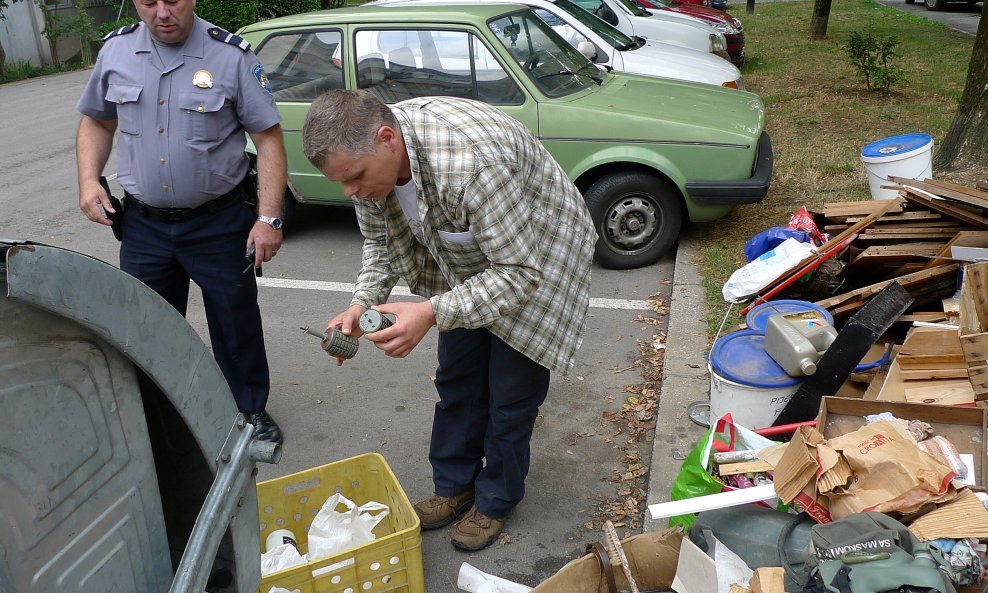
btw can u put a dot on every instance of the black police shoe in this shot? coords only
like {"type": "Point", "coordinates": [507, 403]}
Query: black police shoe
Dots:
{"type": "Point", "coordinates": [265, 427]}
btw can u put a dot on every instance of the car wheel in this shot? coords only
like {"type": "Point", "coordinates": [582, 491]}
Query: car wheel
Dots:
{"type": "Point", "coordinates": [934, 4]}
{"type": "Point", "coordinates": [637, 216]}
{"type": "Point", "coordinates": [289, 209]}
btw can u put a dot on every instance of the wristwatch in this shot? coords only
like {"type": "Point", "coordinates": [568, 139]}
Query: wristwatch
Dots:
{"type": "Point", "coordinates": [274, 221]}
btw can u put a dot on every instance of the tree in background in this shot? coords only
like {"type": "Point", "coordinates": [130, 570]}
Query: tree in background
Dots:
{"type": "Point", "coordinates": [820, 20]}
{"type": "Point", "coordinates": [3, 54]}
{"type": "Point", "coordinates": [967, 139]}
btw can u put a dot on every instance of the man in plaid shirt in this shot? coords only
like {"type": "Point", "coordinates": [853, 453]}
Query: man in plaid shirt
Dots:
{"type": "Point", "coordinates": [465, 204]}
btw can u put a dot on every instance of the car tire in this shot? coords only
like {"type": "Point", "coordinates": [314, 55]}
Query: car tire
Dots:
{"type": "Point", "coordinates": [289, 210]}
{"type": "Point", "coordinates": [934, 4]}
{"type": "Point", "coordinates": [637, 217]}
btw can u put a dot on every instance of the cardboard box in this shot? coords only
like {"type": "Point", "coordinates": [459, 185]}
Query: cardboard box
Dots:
{"type": "Point", "coordinates": [966, 428]}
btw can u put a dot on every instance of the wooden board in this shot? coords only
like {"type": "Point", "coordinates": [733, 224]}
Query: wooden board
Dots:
{"type": "Point", "coordinates": [867, 292]}
{"type": "Point", "coordinates": [930, 348]}
{"type": "Point", "coordinates": [942, 190]}
{"type": "Point", "coordinates": [926, 374]}
{"type": "Point", "coordinates": [744, 467]}
{"type": "Point", "coordinates": [895, 217]}
{"type": "Point", "coordinates": [947, 392]}
{"type": "Point", "coordinates": [840, 211]}
{"type": "Point", "coordinates": [952, 210]}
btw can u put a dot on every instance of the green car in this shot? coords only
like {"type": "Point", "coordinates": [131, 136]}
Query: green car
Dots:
{"type": "Point", "coordinates": [644, 151]}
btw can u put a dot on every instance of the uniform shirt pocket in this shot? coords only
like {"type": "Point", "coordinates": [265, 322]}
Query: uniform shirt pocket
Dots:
{"type": "Point", "coordinates": [125, 97]}
{"type": "Point", "coordinates": [200, 115]}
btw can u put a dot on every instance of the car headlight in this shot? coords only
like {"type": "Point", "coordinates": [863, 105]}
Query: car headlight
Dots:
{"type": "Point", "coordinates": [725, 28]}
{"type": "Point", "coordinates": [718, 43]}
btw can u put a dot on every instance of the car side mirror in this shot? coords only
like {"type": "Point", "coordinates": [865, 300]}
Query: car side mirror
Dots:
{"type": "Point", "coordinates": [589, 50]}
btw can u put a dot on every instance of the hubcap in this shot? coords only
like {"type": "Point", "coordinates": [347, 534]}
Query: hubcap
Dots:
{"type": "Point", "coordinates": [632, 222]}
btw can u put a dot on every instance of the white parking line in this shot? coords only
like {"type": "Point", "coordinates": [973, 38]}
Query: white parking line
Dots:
{"type": "Point", "coordinates": [403, 291]}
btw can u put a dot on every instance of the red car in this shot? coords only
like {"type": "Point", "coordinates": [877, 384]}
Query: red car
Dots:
{"type": "Point", "coordinates": [718, 19]}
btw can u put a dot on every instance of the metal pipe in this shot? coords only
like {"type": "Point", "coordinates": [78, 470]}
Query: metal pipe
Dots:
{"type": "Point", "coordinates": [232, 476]}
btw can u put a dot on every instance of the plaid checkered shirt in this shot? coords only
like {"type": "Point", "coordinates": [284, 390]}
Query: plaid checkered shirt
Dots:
{"type": "Point", "coordinates": [508, 240]}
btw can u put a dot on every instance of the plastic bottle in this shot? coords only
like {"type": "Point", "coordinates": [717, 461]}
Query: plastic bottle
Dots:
{"type": "Point", "coordinates": [797, 340]}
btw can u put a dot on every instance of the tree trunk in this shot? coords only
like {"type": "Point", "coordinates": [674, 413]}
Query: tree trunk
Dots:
{"type": "Point", "coordinates": [821, 16]}
{"type": "Point", "coordinates": [967, 138]}
{"type": "Point", "coordinates": [3, 58]}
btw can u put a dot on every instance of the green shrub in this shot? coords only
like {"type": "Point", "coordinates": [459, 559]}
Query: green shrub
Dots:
{"type": "Point", "coordinates": [872, 58]}
{"type": "Point", "coordinates": [106, 28]}
{"type": "Point", "coordinates": [228, 14]}
{"type": "Point", "coordinates": [267, 9]}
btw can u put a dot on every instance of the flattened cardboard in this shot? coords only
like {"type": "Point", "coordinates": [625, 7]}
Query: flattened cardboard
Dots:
{"type": "Point", "coordinates": [962, 517]}
{"type": "Point", "coordinates": [768, 579]}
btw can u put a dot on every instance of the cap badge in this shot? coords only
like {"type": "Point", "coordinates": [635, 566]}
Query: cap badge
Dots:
{"type": "Point", "coordinates": [203, 79]}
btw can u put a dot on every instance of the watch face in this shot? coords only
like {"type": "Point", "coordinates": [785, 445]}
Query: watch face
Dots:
{"type": "Point", "coordinates": [276, 223]}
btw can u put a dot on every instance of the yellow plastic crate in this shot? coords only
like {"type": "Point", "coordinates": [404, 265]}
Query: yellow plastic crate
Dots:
{"type": "Point", "coordinates": [392, 562]}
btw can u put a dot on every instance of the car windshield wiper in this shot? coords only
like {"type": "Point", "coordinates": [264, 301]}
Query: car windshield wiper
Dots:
{"type": "Point", "coordinates": [599, 81]}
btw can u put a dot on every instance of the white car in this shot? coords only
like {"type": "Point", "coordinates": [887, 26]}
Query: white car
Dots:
{"type": "Point", "coordinates": [633, 21]}
{"type": "Point", "coordinates": [606, 46]}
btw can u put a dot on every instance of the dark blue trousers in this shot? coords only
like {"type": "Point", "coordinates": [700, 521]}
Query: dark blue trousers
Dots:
{"type": "Point", "coordinates": [489, 398]}
{"type": "Point", "coordinates": [208, 249]}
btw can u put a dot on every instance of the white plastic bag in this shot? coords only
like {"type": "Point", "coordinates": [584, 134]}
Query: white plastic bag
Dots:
{"type": "Point", "coordinates": [758, 274]}
{"type": "Point", "coordinates": [474, 580]}
{"type": "Point", "coordinates": [280, 558]}
{"type": "Point", "coordinates": [341, 525]}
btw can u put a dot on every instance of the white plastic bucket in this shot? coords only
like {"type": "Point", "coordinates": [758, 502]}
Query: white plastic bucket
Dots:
{"type": "Point", "coordinates": [907, 155]}
{"type": "Point", "coordinates": [751, 407]}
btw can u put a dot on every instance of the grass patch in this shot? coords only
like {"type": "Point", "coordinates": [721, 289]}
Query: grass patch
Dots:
{"type": "Point", "coordinates": [820, 114]}
{"type": "Point", "coordinates": [26, 70]}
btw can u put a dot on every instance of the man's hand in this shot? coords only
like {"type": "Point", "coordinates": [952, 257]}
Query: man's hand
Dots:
{"type": "Point", "coordinates": [412, 322]}
{"type": "Point", "coordinates": [347, 322]}
{"type": "Point", "coordinates": [266, 241]}
{"type": "Point", "coordinates": [94, 202]}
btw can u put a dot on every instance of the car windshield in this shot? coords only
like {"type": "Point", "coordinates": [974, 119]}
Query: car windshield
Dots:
{"type": "Point", "coordinates": [555, 67]}
{"type": "Point", "coordinates": [611, 35]}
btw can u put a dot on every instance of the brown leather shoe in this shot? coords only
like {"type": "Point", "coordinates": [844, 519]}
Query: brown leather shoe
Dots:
{"type": "Point", "coordinates": [439, 511]}
{"type": "Point", "coordinates": [475, 531]}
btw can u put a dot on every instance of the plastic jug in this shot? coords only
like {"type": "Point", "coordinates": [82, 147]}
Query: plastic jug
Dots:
{"type": "Point", "coordinates": [797, 340]}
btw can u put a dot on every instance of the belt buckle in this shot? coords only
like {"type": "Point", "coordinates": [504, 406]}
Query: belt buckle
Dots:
{"type": "Point", "coordinates": [172, 215]}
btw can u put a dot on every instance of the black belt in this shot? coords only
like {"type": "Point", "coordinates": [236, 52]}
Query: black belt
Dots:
{"type": "Point", "coordinates": [172, 215]}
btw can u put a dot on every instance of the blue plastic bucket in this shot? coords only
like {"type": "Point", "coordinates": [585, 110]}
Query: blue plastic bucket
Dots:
{"type": "Point", "coordinates": [757, 317]}
{"type": "Point", "coordinates": [906, 155]}
{"type": "Point", "coordinates": [746, 382]}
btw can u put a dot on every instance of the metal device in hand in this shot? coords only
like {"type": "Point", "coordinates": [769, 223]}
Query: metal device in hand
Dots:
{"type": "Point", "coordinates": [373, 320]}
{"type": "Point", "coordinates": [336, 343]}
{"type": "Point", "coordinates": [249, 260]}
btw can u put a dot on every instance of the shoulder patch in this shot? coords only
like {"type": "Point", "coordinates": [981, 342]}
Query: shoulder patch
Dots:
{"type": "Point", "coordinates": [121, 31]}
{"type": "Point", "coordinates": [228, 37]}
{"type": "Point", "coordinates": [262, 78]}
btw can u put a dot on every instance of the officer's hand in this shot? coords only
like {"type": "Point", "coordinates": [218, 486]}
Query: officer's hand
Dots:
{"type": "Point", "coordinates": [347, 322]}
{"type": "Point", "coordinates": [94, 202]}
{"type": "Point", "coordinates": [412, 322]}
{"type": "Point", "coordinates": [266, 240]}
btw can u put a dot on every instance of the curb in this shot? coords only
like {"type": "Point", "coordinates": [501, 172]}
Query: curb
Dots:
{"type": "Point", "coordinates": [684, 376]}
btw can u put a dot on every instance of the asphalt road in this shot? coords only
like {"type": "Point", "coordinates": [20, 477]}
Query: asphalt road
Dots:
{"type": "Point", "coordinates": [372, 403]}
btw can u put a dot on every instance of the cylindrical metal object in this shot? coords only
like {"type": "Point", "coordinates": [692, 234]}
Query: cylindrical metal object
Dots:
{"type": "Point", "coordinates": [373, 320]}
{"type": "Point", "coordinates": [339, 344]}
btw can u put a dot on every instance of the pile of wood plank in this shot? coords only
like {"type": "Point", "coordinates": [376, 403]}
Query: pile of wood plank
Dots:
{"type": "Point", "coordinates": [927, 240]}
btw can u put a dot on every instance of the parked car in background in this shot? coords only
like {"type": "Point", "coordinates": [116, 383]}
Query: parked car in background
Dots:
{"type": "Point", "coordinates": [718, 19]}
{"type": "Point", "coordinates": [633, 20]}
{"type": "Point", "coordinates": [940, 4]}
{"type": "Point", "coordinates": [645, 152]}
{"type": "Point", "coordinates": [608, 47]}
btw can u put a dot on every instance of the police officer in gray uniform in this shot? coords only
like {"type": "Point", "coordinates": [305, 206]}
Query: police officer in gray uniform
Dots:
{"type": "Point", "coordinates": [182, 93]}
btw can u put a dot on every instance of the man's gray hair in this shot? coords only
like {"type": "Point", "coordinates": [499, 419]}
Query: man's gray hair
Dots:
{"type": "Point", "coordinates": [346, 122]}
